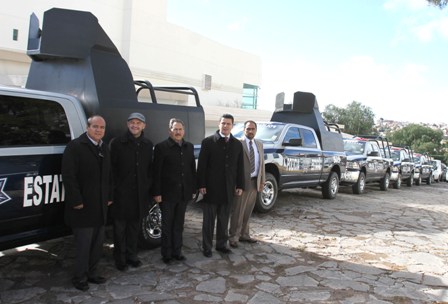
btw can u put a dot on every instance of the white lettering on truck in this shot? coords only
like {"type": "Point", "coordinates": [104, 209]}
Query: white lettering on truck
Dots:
{"type": "Point", "coordinates": [46, 189]}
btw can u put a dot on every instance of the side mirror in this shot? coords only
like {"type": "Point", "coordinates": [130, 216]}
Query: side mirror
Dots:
{"type": "Point", "coordinates": [294, 142]}
{"type": "Point", "coordinates": [406, 160]}
{"type": "Point", "coordinates": [374, 153]}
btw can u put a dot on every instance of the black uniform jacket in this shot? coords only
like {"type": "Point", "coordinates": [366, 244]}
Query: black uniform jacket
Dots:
{"type": "Point", "coordinates": [174, 171]}
{"type": "Point", "coordinates": [87, 180]}
{"type": "Point", "coordinates": [220, 168]}
{"type": "Point", "coordinates": [132, 176]}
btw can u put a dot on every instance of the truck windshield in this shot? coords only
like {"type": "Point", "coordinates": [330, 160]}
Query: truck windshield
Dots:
{"type": "Point", "coordinates": [354, 147]}
{"type": "Point", "coordinates": [267, 132]}
{"type": "Point", "coordinates": [396, 155]}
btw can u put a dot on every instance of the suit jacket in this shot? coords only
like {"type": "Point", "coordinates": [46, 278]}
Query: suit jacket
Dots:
{"type": "Point", "coordinates": [261, 176]}
{"type": "Point", "coordinates": [174, 171]}
{"type": "Point", "coordinates": [132, 183]}
{"type": "Point", "coordinates": [87, 180]}
{"type": "Point", "coordinates": [220, 168]}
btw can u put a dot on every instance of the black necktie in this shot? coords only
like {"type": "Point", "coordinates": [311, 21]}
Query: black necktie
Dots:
{"type": "Point", "coordinates": [251, 157]}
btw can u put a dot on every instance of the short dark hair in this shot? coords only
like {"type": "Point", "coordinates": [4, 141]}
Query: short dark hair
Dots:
{"type": "Point", "coordinates": [250, 121]}
{"type": "Point", "coordinates": [227, 116]}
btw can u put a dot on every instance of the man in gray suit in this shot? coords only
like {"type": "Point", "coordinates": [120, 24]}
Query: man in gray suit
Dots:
{"type": "Point", "coordinates": [254, 175]}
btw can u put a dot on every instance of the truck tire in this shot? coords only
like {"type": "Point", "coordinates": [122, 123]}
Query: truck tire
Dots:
{"type": "Point", "coordinates": [397, 184]}
{"type": "Point", "coordinates": [266, 198]}
{"type": "Point", "coordinates": [418, 181]}
{"type": "Point", "coordinates": [360, 185]}
{"type": "Point", "coordinates": [150, 235]}
{"type": "Point", "coordinates": [410, 181]}
{"type": "Point", "coordinates": [429, 180]}
{"type": "Point", "coordinates": [331, 186]}
{"type": "Point", "coordinates": [384, 182]}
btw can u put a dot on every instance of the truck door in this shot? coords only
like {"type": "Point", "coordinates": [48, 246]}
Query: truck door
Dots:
{"type": "Point", "coordinates": [33, 135]}
{"type": "Point", "coordinates": [303, 162]}
{"type": "Point", "coordinates": [375, 163]}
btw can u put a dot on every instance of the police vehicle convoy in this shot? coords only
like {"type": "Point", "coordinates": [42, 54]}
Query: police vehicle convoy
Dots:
{"type": "Point", "coordinates": [76, 71]}
{"type": "Point", "coordinates": [300, 150]}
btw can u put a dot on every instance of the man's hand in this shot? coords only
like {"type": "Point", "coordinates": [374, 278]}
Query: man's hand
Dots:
{"type": "Point", "coordinates": [203, 191]}
{"type": "Point", "coordinates": [238, 192]}
{"type": "Point", "coordinates": [109, 203]}
{"type": "Point", "coordinates": [78, 207]}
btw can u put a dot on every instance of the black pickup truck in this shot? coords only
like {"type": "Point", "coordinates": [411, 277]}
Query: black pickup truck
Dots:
{"type": "Point", "coordinates": [366, 164]}
{"type": "Point", "coordinates": [76, 71]}
{"type": "Point", "coordinates": [300, 150]}
{"type": "Point", "coordinates": [403, 166]}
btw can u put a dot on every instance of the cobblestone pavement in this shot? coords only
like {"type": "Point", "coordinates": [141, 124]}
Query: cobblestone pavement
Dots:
{"type": "Point", "coordinates": [379, 247]}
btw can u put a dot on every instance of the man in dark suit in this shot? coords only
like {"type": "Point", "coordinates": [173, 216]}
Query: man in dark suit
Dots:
{"type": "Point", "coordinates": [131, 157]}
{"type": "Point", "coordinates": [86, 176]}
{"type": "Point", "coordinates": [174, 185]}
{"type": "Point", "coordinates": [220, 178]}
{"type": "Point", "coordinates": [254, 175]}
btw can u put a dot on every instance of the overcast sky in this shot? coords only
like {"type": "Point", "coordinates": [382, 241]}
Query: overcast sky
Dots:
{"type": "Point", "coordinates": [389, 55]}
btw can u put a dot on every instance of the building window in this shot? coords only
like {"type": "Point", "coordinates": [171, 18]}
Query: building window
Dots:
{"type": "Point", "coordinates": [15, 34]}
{"type": "Point", "coordinates": [206, 82]}
{"type": "Point", "coordinates": [250, 96]}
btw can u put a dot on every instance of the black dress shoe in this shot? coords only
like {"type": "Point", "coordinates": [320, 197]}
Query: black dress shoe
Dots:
{"type": "Point", "coordinates": [207, 253]}
{"type": "Point", "coordinates": [97, 280]}
{"type": "Point", "coordinates": [135, 264]}
{"type": "Point", "coordinates": [180, 257]}
{"type": "Point", "coordinates": [81, 285]}
{"type": "Point", "coordinates": [121, 266]}
{"type": "Point", "coordinates": [224, 250]}
{"type": "Point", "coordinates": [167, 260]}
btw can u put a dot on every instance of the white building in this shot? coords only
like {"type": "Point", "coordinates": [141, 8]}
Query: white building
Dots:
{"type": "Point", "coordinates": [226, 78]}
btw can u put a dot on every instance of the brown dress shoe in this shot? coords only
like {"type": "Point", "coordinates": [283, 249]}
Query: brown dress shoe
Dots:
{"type": "Point", "coordinates": [249, 240]}
{"type": "Point", "coordinates": [233, 244]}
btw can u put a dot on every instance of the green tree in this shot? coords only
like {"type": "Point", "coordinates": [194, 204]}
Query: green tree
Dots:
{"type": "Point", "coordinates": [356, 118]}
{"type": "Point", "coordinates": [439, 3]}
{"type": "Point", "coordinates": [420, 138]}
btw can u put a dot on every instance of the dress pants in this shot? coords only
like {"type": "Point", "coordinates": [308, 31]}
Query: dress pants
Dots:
{"type": "Point", "coordinates": [89, 249]}
{"type": "Point", "coordinates": [220, 213]}
{"type": "Point", "coordinates": [173, 218]}
{"type": "Point", "coordinates": [126, 240]}
{"type": "Point", "coordinates": [241, 211]}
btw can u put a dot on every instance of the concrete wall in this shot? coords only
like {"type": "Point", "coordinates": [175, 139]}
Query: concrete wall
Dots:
{"type": "Point", "coordinates": [158, 51]}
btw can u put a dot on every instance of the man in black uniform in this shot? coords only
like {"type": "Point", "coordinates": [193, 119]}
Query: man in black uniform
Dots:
{"type": "Point", "coordinates": [131, 156]}
{"type": "Point", "coordinates": [220, 178]}
{"type": "Point", "coordinates": [86, 176]}
{"type": "Point", "coordinates": [174, 185]}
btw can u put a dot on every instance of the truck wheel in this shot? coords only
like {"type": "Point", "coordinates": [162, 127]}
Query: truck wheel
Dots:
{"type": "Point", "coordinates": [418, 181]}
{"type": "Point", "coordinates": [429, 180]}
{"type": "Point", "coordinates": [150, 235]}
{"type": "Point", "coordinates": [266, 198]}
{"type": "Point", "coordinates": [384, 183]}
{"type": "Point", "coordinates": [397, 184]}
{"type": "Point", "coordinates": [331, 186]}
{"type": "Point", "coordinates": [360, 185]}
{"type": "Point", "coordinates": [410, 181]}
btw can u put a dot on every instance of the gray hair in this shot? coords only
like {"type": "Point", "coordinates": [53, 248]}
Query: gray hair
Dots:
{"type": "Point", "coordinates": [176, 120]}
